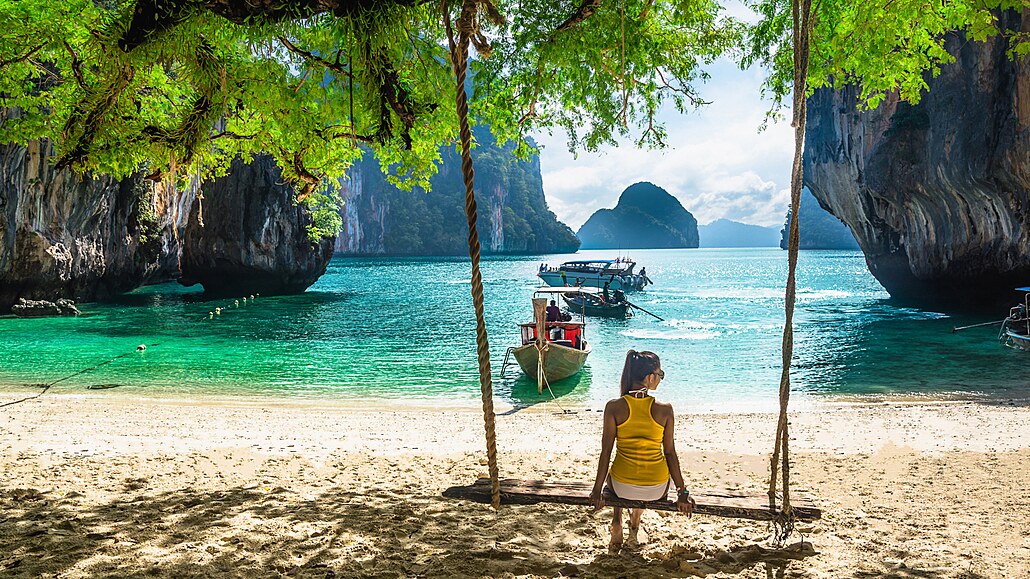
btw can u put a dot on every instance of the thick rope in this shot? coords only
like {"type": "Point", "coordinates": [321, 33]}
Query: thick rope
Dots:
{"type": "Point", "coordinates": [459, 60]}
{"type": "Point", "coordinates": [49, 385]}
{"type": "Point", "coordinates": [802, 16]}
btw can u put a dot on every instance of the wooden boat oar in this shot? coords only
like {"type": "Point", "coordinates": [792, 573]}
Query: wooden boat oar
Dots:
{"type": "Point", "coordinates": [960, 328]}
{"type": "Point", "coordinates": [633, 305]}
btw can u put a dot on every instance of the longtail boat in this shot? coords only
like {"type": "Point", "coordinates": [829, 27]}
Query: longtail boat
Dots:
{"type": "Point", "coordinates": [1015, 329]}
{"type": "Point", "coordinates": [595, 305]}
{"type": "Point", "coordinates": [551, 351]}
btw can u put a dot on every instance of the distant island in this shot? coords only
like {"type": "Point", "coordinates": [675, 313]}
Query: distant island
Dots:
{"type": "Point", "coordinates": [820, 229]}
{"type": "Point", "coordinates": [646, 216]}
{"type": "Point", "coordinates": [726, 233]}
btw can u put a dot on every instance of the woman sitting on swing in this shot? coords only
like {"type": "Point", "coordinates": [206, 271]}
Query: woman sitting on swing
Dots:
{"type": "Point", "coordinates": [641, 429]}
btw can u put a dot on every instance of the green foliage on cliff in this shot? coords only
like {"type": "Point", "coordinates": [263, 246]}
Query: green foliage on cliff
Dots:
{"type": "Point", "coordinates": [325, 216]}
{"type": "Point", "coordinates": [646, 216]}
{"type": "Point", "coordinates": [512, 212]}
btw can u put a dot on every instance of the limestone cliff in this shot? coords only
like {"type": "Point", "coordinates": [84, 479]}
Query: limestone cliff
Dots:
{"type": "Point", "coordinates": [937, 194]}
{"type": "Point", "coordinates": [819, 228]}
{"type": "Point", "coordinates": [84, 238]}
{"type": "Point", "coordinates": [254, 236]}
{"type": "Point", "coordinates": [646, 216]}
{"type": "Point", "coordinates": [726, 233]}
{"type": "Point", "coordinates": [513, 216]}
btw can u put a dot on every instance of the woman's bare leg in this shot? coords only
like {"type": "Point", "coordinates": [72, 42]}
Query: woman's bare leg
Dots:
{"type": "Point", "coordinates": [634, 518]}
{"type": "Point", "coordinates": [616, 527]}
{"type": "Point", "coordinates": [632, 540]}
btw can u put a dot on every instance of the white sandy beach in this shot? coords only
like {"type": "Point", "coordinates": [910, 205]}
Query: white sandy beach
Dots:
{"type": "Point", "coordinates": [94, 485]}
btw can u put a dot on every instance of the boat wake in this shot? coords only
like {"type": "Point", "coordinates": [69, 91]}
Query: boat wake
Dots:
{"type": "Point", "coordinates": [672, 335]}
{"type": "Point", "coordinates": [677, 330]}
{"type": "Point", "coordinates": [767, 293]}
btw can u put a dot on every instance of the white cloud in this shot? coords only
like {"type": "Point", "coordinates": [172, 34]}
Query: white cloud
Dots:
{"type": "Point", "coordinates": [718, 164]}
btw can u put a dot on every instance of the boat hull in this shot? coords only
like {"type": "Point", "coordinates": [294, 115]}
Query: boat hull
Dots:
{"type": "Point", "coordinates": [620, 310]}
{"type": "Point", "coordinates": [560, 362]}
{"type": "Point", "coordinates": [615, 282]}
{"type": "Point", "coordinates": [1017, 341]}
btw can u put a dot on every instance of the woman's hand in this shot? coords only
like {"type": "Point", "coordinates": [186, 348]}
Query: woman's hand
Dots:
{"type": "Point", "coordinates": [685, 505]}
{"type": "Point", "coordinates": [597, 499]}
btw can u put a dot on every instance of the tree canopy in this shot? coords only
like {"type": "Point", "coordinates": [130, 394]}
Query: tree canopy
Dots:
{"type": "Point", "coordinates": [882, 46]}
{"type": "Point", "coordinates": [176, 87]}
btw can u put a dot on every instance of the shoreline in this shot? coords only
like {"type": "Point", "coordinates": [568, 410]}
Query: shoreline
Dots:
{"type": "Point", "coordinates": [801, 402]}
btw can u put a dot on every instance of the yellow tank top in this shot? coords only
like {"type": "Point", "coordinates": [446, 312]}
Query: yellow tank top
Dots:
{"type": "Point", "coordinates": [639, 458]}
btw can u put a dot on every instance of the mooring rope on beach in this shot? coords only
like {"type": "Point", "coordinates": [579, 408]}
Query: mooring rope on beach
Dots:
{"type": "Point", "coordinates": [541, 377]}
{"type": "Point", "coordinates": [217, 311]}
{"type": "Point", "coordinates": [139, 349]}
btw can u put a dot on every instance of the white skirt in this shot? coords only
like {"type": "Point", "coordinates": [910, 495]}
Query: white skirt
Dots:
{"type": "Point", "coordinates": [639, 492]}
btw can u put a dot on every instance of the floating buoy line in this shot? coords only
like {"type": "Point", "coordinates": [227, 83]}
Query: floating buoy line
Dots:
{"type": "Point", "coordinates": [140, 350]}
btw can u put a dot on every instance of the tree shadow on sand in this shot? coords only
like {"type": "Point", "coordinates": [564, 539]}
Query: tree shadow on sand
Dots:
{"type": "Point", "coordinates": [258, 531]}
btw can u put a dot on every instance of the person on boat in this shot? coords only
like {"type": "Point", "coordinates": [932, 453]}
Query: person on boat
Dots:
{"type": "Point", "coordinates": [553, 312]}
{"type": "Point", "coordinates": [604, 292]}
{"type": "Point", "coordinates": [641, 429]}
{"type": "Point", "coordinates": [618, 296]}
{"type": "Point", "coordinates": [563, 280]}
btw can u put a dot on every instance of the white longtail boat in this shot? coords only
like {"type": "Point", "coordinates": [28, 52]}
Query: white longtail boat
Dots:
{"type": "Point", "coordinates": [551, 351]}
{"type": "Point", "coordinates": [1015, 329]}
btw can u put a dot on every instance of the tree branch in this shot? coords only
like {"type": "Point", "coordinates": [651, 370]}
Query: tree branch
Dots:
{"type": "Point", "coordinates": [585, 10]}
{"type": "Point", "coordinates": [232, 135]}
{"type": "Point", "coordinates": [76, 66]}
{"type": "Point", "coordinates": [26, 56]}
{"type": "Point", "coordinates": [309, 180]}
{"type": "Point", "coordinates": [647, 8]}
{"type": "Point", "coordinates": [694, 99]}
{"type": "Point", "coordinates": [312, 57]}
{"type": "Point", "coordinates": [329, 134]}
{"type": "Point", "coordinates": [151, 17]}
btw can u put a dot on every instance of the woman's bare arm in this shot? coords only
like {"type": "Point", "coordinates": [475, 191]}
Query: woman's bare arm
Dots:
{"type": "Point", "coordinates": [683, 501]}
{"type": "Point", "coordinates": [605, 460]}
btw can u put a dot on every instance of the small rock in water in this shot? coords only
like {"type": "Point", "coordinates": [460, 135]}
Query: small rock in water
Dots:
{"type": "Point", "coordinates": [43, 308]}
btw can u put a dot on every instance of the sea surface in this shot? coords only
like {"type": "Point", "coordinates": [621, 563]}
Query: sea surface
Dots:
{"type": "Point", "coordinates": [403, 329]}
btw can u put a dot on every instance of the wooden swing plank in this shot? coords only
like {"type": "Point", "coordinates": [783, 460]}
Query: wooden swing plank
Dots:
{"type": "Point", "coordinates": [733, 504]}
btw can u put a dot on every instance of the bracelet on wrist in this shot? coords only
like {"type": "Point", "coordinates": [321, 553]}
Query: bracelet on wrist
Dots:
{"type": "Point", "coordinates": [683, 492]}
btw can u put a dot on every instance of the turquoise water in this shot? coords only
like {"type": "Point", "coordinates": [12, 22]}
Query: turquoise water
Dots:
{"type": "Point", "coordinates": [403, 328]}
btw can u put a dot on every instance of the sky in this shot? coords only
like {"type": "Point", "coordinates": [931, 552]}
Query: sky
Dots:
{"type": "Point", "coordinates": [717, 163]}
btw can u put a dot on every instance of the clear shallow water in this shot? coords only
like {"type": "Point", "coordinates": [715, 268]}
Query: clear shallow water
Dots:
{"type": "Point", "coordinates": [403, 328]}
